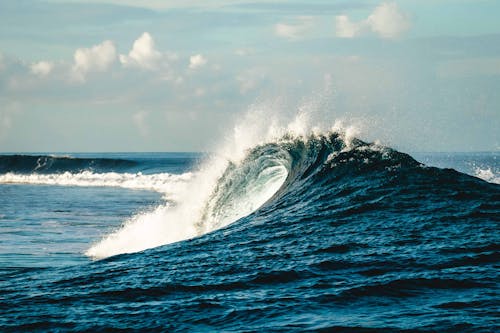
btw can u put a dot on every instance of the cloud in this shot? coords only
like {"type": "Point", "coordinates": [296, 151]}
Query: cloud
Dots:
{"type": "Point", "coordinates": [293, 31]}
{"type": "Point", "coordinates": [42, 68]}
{"type": "Point", "coordinates": [200, 92]}
{"type": "Point", "coordinates": [2, 63]}
{"type": "Point", "coordinates": [197, 61]}
{"type": "Point", "coordinates": [243, 52]}
{"type": "Point", "coordinates": [98, 58]}
{"type": "Point", "coordinates": [387, 21]}
{"type": "Point", "coordinates": [143, 54]}
{"type": "Point", "coordinates": [345, 28]}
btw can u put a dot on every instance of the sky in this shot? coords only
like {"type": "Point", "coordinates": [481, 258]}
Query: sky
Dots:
{"type": "Point", "coordinates": [105, 76]}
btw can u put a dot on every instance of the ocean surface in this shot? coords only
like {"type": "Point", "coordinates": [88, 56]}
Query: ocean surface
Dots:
{"type": "Point", "coordinates": [315, 233]}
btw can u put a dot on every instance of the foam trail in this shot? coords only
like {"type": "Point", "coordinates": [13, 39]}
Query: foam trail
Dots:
{"type": "Point", "coordinates": [161, 182]}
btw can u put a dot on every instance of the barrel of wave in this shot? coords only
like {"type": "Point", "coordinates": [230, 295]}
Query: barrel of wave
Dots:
{"type": "Point", "coordinates": [213, 199]}
{"type": "Point", "coordinates": [244, 188]}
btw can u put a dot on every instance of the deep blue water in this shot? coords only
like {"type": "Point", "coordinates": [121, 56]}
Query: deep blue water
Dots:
{"type": "Point", "coordinates": [357, 239]}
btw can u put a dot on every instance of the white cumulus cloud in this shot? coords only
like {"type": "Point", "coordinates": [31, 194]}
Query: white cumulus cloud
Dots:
{"type": "Point", "coordinates": [387, 21]}
{"type": "Point", "coordinates": [197, 61]}
{"type": "Point", "coordinates": [345, 28]}
{"type": "Point", "coordinates": [98, 58]}
{"type": "Point", "coordinates": [293, 31]}
{"type": "Point", "coordinates": [42, 68]}
{"type": "Point", "coordinates": [143, 53]}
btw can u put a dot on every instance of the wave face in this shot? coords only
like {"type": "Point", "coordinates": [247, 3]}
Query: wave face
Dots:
{"type": "Point", "coordinates": [315, 232]}
{"type": "Point", "coordinates": [266, 173]}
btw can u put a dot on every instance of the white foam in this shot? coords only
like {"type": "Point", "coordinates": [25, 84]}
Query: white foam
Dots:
{"type": "Point", "coordinates": [487, 174]}
{"type": "Point", "coordinates": [166, 224]}
{"type": "Point", "coordinates": [161, 182]}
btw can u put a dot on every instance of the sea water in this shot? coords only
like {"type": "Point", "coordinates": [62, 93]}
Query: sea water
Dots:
{"type": "Point", "coordinates": [309, 233]}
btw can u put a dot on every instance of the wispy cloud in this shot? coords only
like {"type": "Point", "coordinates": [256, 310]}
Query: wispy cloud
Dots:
{"type": "Point", "coordinates": [197, 61]}
{"type": "Point", "coordinates": [243, 52]}
{"type": "Point", "coordinates": [143, 53]}
{"type": "Point", "coordinates": [345, 28]}
{"type": "Point", "coordinates": [98, 58]}
{"type": "Point", "coordinates": [295, 30]}
{"type": "Point", "coordinates": [387, 21]}
{"type": "Point", "coordinates": [42, 68]}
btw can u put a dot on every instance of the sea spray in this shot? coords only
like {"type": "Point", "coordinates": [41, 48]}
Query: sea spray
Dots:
{"type": "Point", "coordinates": [231, 184]}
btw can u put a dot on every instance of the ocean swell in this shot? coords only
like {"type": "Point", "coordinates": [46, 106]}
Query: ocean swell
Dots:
{"type": "Point", "coordinates": [291, 170]}
{"type": "Point", "coordinates": [285, 173]}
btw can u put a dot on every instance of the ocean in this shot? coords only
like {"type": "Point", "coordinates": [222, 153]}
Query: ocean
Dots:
{"type": "Point", "coordinates": [316, 233]}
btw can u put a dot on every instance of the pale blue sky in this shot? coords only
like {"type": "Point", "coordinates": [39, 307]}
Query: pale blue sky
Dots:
{"type": "Point", "coordinates": [419, 75]}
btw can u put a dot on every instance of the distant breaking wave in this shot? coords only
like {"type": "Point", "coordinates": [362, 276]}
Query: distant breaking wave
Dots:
{"type": "Point", "coordinates": [26, 164]}
{"type": "Point", "coordinates": [160, 182]}
{"type": "Point", "coordinates": [290, 168]}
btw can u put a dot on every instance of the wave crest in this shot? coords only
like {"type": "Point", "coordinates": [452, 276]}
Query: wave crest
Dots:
{"type": "Point", "coordinates": [226, 191]}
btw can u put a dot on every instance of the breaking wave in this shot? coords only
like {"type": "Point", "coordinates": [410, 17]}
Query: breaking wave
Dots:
{"type": "Point", "coordinates": [281, 167]}
{"type": "Point", "coordinates": [45, 164]}
{"type": "Point", "coordinates": [226, 191]}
